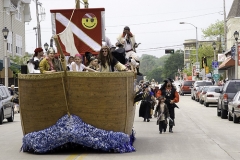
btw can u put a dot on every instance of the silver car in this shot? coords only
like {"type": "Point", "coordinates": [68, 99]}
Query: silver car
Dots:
{"type": "Point", "coordinates": [6, 105]}
{"type": "Point", "coordinates": [202, 94]}
{"type": "Point", "coordinates": [196, 85]}
{"type": "Point", "coordinates": [211, 97]}
{"type": "Point", "coordinates": [234, 108]}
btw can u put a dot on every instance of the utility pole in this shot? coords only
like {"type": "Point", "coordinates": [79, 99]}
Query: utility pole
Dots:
{"type": "Point", "coordinates": [225, 26]}
{"type": "Point", "coordinates": [38, 25]}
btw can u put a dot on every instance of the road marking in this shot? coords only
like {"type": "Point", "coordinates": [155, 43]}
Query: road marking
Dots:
{"type": "Point", "coordinates": [76, 157]}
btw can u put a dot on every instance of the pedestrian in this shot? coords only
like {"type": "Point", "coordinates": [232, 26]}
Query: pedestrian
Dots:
{"type": "Point", "coordinates": [12, 90]}
{"type": "Point", "coordinates": [145, 107]}
{"type": "Point", "coordinates": [162, 114]}
{"type": "Point", "coordinates": [171, 97]}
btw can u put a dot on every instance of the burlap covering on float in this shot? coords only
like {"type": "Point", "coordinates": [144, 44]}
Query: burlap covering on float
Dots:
{"type": "Point", "coordinates": [104, 100]}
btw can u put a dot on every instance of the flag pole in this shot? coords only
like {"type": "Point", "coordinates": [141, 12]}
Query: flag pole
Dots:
{"type": "Point", "coordinates": [65, 78]}
{"type": "Point", "coordinates": [77, 4]}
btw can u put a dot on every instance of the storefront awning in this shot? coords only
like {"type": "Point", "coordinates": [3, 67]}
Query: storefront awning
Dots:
{"type": "Point", "coordinates": [229, 62]}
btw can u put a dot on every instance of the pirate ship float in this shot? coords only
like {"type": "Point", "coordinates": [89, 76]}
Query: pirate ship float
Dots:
{"type": "Point", "coordinates": [91, 109]}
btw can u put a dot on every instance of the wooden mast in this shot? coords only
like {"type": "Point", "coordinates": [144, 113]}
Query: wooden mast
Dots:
{"type": "Point", "coordinates": [77, 4]}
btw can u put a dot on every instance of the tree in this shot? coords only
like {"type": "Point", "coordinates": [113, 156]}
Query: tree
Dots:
{"type": "Point", "coordinates": [17, 61]}
{"type": "Point", "coordinates": [214, 30]}
{"type": "Point", "coordinates": [172, 64]}
{"type": "Point", "coordinates": [149, 62]}
{"type": "Point", "coordinates": [156, 74]}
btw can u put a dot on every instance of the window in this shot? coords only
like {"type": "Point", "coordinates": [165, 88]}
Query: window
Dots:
{"type": "Point", "coordinates": [9, 42]}
{"type": "Point", "coordinates": [1, 92]}
{"type": "Point", "coordinates": [212, 89]}
{"type": "Point", "coordinates": [233, 87]}
{"type": "Point", "coordinates": [188, 83]}
{"type": "Point", "coordinates": [18, 15]}
{"type": "Point", "coordinates": [18, 44]}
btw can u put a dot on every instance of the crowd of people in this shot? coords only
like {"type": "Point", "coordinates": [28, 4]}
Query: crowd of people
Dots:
{"type": "Point", "coordinates": [163, 100]}
{"type": "Point", "coordinates": [122, 58]}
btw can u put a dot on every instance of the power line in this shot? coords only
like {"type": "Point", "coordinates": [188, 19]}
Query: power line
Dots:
{"type": "Point", "coordinates": [165, 20]}
{"type": "Point", "coordinates": [158, 31]}
{"type": "Point", "coordinates": [161, 13]}
{"type": "Point", "coordinates": [160, 47]}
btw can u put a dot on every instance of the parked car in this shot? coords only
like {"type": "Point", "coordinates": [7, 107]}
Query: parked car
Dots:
{"type": "Point", "coordinates": [202, 94]}
{"type": "Point", "coordinates": [234, 108]}
{"type": "Point", "coordinates": [199, 90]}
{"type": "Point", "coordinates": [211, 97]}
{"type": "Point", "coordinates": [186, 87]}
{"type": "Point", "coordinates": [196, 85]}
{"type": "Point", "coordinates": [230, 88]}
{"type": "Point", "coordinates": [6, 105]}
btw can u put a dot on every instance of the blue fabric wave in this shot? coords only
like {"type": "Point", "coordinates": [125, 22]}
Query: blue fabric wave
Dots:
{"type": "Point", "coordinates": [73, 130]}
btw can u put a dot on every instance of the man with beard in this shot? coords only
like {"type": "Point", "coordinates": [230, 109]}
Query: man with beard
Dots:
{"type": "Point", "coordinates": [171, 97]}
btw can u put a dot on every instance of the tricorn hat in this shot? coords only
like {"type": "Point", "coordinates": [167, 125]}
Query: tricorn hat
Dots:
{"type": "Point", "coordinates": [126, 28]}
{"type": "Point", "coordinates": [89, 56]}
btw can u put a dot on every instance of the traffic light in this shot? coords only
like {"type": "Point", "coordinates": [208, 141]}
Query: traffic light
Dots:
{"type": "Point", "coordinates": [204, 62]}
{"type": "Point", "coordinates": [169, 51]}
{"type": "Point", "coordinates": [207, 69]}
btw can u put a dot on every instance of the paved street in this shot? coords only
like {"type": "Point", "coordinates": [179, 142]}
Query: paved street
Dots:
{"type": "Point", "coordinates": [198, 135]}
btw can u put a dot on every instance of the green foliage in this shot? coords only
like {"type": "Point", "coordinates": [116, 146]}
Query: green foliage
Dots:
{"type": "Point", "coordinates": [172, 64]}
{"type": "Point", "coordinates": [205, 51]}
{"type": "Point", "coordinates": [188, 71]}
{"type": "Point", "coordinates": [214, 30]}
{"type": "Point", "coordinates": [149, 63]}
{"type": "Point", "coordinates": [17, 61]}
{"type": "Point", "coordinates": [156, 74]}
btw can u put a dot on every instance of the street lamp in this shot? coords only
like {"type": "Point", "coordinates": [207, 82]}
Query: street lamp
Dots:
{"type": "Point", "coordinates": [196, 38]}
{"type": "Point", "coordinates": [236, 35]}
{"type": "Point", "coordinates": [214, 47]}
{"type": "Point", "coordinates": [46, 46]}
{"type": "Point", "coordinates": [35, 29]}
{"type": "Point", "coordinates": [5, 32]}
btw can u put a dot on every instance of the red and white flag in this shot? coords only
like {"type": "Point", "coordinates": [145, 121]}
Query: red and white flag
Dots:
{"type": "Point", "coordinates": [79, 30]}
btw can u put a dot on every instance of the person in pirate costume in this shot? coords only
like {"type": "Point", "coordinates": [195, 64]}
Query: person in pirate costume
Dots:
{"type": "Point", "coordinates": [127, 39]}
{"type": "Point", "coordinates": [33, 63]}
{"type": "Point", "coordinates": [171, 97]}
{"type": "Point", "coordinates": [119, 53]}
{"type": "Point", "coordinates": [92, 61]}
{"type": "Point", "coordinates": [50, 64]}
{"type": "Point", "coordinates": [147, 100]}
{"type": "Point", "coordinates": [108, 63]}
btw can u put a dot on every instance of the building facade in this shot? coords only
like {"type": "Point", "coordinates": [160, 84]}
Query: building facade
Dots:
{"type": "Point", "coordinates": [13, 15]}
{"type": "Point", "coordinates": [190, 50]}
{"type": "Point", "coordinates": [232, 24]}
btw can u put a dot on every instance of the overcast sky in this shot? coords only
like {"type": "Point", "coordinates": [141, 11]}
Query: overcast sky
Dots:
{"type": "Point", "coordinates": [155, 23]}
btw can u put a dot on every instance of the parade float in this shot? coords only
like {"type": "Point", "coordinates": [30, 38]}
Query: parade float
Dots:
{"type": "Point", "coordinates": [91, 109]}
